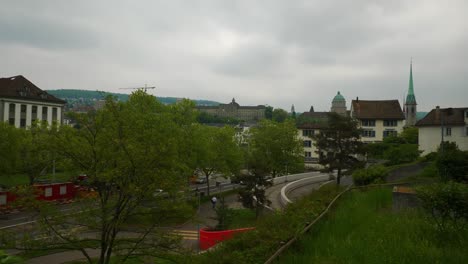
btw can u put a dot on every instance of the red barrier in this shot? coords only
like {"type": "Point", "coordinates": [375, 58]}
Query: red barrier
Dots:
{"type": "Point", "coordinates": [211, 238]}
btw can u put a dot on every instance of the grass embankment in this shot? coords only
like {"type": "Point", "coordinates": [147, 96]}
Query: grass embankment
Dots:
{"type": "Point", "coordinates": [363, 229]}
{"type": "Point", "coordinates": [22, 179]}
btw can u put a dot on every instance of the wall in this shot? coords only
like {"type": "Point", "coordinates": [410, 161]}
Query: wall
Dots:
{"type": "Point", "coordinates": [430, 138]}
{"type": "Point", "coordinates": [379, 128]}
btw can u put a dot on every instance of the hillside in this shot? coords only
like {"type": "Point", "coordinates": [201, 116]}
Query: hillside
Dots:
{"type": "Point", "coordinates": [89, 97]}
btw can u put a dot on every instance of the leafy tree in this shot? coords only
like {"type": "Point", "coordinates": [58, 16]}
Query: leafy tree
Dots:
{"type": "Point", "coordinates": [451, 162]}
{"type": "Point", "coordinates": [253, 194]}
{"type": "Point", "coordinates": [216, 150]}
{"type": "Point", "coordinates": [10, 142]}
{"type": "Point", "coordinates": [129, 151]}
{"type": "Point", "coordinates": [373, 174]}
{"type": "Point", "coordinates": [269, 112]}
{"type": "Point", "coordinates": [339, 144]}
{"type": "Point", "coordinates": [410, 135]}
{"type": "Point", "coordinates": [36, 153]}
{"type": "Point", "coordinates": [279, 115]}
{"type": "Point", "coordinates": [275, 149]}
{"type": "Point", "coordinates": [401, 153]}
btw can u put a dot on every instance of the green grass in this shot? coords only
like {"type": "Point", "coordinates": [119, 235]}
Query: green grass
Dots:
{"type": "Point", "coordinates": [242, 218]}
{"type": "Point", "coordinates": [363, 229]}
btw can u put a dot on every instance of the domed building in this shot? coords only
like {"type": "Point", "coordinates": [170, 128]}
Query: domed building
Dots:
{"type": "Point", "coordinates": [339, 104]}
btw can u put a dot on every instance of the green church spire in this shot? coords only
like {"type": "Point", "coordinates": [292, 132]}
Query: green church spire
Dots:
{"type": "Point", "coordinates": [410, 98]}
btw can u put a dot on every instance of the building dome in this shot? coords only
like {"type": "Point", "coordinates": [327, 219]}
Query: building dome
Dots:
{"type": "Point", "coordinates": [338, 98]}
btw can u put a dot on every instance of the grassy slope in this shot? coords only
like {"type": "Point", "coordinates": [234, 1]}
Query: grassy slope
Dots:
{"type": "Point", "coordinates": [363, 229]}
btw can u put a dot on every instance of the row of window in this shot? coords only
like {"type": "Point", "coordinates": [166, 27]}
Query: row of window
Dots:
{"type": "Point", "coordinates": [386, 123]}
{"type": "Point", "coordinates": [448, 131]}
{"type": "Point", "coordinates": [308, 132]}
{"type": "Point", "coordinates": [371, 133]}
{"type": "Point", "coordinates": [34, 114]}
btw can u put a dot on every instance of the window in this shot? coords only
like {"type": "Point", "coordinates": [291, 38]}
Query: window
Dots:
{"type": "Point", "coordinates": [307, 143]}
{"type": "Point", "coordinates": [466, 114]}
{"type": "Point", "coordinates": [54, 113]}
{"type": "Point", "coordinates": [34, 109]}
{"type": "Point", "coordinates": [368, 122]}
{"type": "Point", "coordinates": [23, 109]}
{"type": "Point", "coordinates": [48, 192]}
{"type": "Point", "coordinates": [44, 113]}
{"type": "Point", "coordinates": [412, 110]}
{"type": "Point", "coordinates": [448, 131]}
{"type": "Point", "coordinates": [466, 131]}
{"type": "Point", "coordinates": [389, 133]}
{"type": "Point", "coordinates": [12, 109]}
{"type": "Point", "coordinates": [390, 123]}
{"type": "Point", "coordinates": [23, 123]}
{"type": "Point", "coordinates": [308, 154]}
{"type": "Point", "coordinates": [63, 190]}
{"type": "Point", "coordinates": [307, 132]}
{"type": "Point", "coordinates": [368, 133]}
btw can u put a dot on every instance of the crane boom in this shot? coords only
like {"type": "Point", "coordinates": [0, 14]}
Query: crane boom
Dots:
{"type": "Point", "coordinates": [138, 88]}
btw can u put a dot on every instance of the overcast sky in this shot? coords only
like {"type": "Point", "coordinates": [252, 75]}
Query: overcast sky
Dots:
{"type": "Point", "coordinates": [260, 52]}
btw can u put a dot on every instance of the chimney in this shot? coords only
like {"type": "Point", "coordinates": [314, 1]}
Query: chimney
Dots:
{"type": "Point", "coordinates": [357, 99]}
{"type": "Point", "coordinates": [437, 113]}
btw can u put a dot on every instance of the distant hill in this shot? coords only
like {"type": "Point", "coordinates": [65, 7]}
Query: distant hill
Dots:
{"type": "Point", "coordinates": [87, 97]}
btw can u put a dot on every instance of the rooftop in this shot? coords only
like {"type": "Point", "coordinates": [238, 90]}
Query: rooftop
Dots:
{"type": "Point", "coordinates": [377, 109]}
{"type": "Point", "coordinates": [18, 87]}
{"type": "Point", "coordinates": [447, 116]}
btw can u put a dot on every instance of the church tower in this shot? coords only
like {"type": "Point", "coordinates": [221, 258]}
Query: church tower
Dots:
{"type": "Point", "coordinates": [410, 104]}
{"type": "Point", "coordinates": [339, 104]}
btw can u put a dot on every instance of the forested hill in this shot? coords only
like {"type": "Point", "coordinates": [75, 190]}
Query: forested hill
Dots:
{"type": "Point", "coordinates": [89, 97]}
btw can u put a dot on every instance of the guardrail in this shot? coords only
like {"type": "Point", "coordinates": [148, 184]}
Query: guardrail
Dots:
{"type": "Point", "coordinates": [288, 188]}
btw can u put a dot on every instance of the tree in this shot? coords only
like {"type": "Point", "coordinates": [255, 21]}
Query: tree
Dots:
{"type": "Point", "coordinates": [10, 142]}
{"type": "Point", "coordinates": [451, 162]}
{"type": "Point", "coordinates": [339, 144]}
{"type": "Point", "coordinates": [279, 115]}
{"type": "Point", "coordinates": [253, 194]}
{"type": "Point", "coordinates": [275, 149]}
{"type": "Point", "coordinates": [216, 150]}
{"type": "Point", "coordinates": [410, 135]}
{"type": "Point", "coordinates": [269, 112]}
{"type": "Point", "coordinates": [129, 151]}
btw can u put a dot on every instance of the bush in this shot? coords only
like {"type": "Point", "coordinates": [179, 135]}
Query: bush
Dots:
{"type": "Point", "coordinates": [373, 174]}
{"type": "Point", "coordinates": [400, 154]}
{"type": "Point", "coordinates": [452, 163]}
{"type": "Point", "coordinates": [447, 203]}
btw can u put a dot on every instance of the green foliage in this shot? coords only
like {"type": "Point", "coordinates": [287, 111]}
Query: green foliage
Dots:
{"type": "Point", "coordinates": [224, 215]}
{"type": "Point", "coordinates": [275, 149]}
{"type": "Point", "coordinates": [339, 143]}
{"type": "Point", "coordinates": [304, 119]}
{"type": "Point", "coordinates": [7, 259]}
{"type": "Point", "coordinates": [373, 174]}
{"type": "Point", "coordinates": [447, 203]}
{"type": "Point", "coordinates": [10, 144]}
{"type": "Point", "coordinates": [410, 135]}
{"type": "Point", "coordinates": [363, 229]}
{"type": "Point", "coordinates": [402, 153]}
{"type": "Point", "coordinates": [279, 115]}
{"type": "Point", "coordinates": [452, 163]}
{"type": "Point", "coordinates": [269, 112]}
{"type": "Point", "coordinates": [215, 150]}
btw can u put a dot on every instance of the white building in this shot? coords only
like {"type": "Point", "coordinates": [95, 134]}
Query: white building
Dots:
{"type": "Point", "coordinates": [314, 122]}
{"type": "Point", "coordinates": [22, 103]}
{"type": "Point", "coordinates": [378, 119]}
{"type": "Point", "coordinates": [448, 124]}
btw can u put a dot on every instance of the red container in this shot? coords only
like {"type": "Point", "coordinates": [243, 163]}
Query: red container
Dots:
{"type": "Point", "coordinates": [55, 191]}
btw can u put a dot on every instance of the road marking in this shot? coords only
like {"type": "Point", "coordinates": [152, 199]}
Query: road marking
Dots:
{"type": "Point", "coordinates": [186, 234]}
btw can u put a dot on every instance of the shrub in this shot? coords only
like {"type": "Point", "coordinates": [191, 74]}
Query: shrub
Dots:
{"type": "Point", "coordinates": [447, 203]}
{"type": "Point", "coordinates": [400, 154]}
{"type": "Point", "coordinates": [452, 163]}
{"type": "Point", "coordinates": [373, 174]}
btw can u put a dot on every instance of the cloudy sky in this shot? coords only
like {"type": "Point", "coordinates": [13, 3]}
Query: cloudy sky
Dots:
{"type": "Point", "coordinates": [260, 52]}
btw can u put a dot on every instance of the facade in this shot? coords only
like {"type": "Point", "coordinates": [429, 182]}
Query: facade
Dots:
{"type": "Point", "coordinates": [410, 103]}
{"type": "Point", "coordinates": [378, 119]}
{"type": "Point", "coordinates": [234, 110]}
{"type": "Point", "coordinates": [316, 121]}
{"type": "Point", "coordinates": [22, 103]}
{"type": "Point", "coordinates": [448, 124]}
{"type": "Point", "coordinates": [339, 104]}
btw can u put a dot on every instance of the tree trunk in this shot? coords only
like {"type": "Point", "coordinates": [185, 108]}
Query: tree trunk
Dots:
{"type": "Point", "coordinates": [207, 184]}
{"type": "Point", "coordinates": [338, 177]}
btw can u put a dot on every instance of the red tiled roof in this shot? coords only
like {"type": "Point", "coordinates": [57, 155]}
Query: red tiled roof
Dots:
{"type": "Point", "coordinates": [449, 116]}
{"type": "Point", "coordinates": [385, 109]}
{"type": "Point", "coordinates": [18, 87]}
{"type": "Point", "coordinates": [314, 120]}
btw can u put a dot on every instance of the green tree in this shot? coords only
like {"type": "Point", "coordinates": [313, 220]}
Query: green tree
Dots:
{"type": "Point", "coordinates": [339, 144]}
{"type": "Point", "coordinates": [129, 151]}
{"type": "Point", "coordinates": [279, 115]}
{"type": "Point", "coordinates": [269, 112]}
{"type": "Point", "coordinates": [10, 142]}
{"type": "Point", "coordinates": [275, 149]}
{"type": "Point", "coordinates": [410, 135]}
{"type": "Point", "coordinates": [216, 150]}
{"type": "Point", "coordinates": [451, 162]}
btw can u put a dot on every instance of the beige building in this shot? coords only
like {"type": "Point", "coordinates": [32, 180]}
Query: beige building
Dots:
{"type": "Point", "coordinates": [448, 124]}
{"type": "Point", "coordinates": [315, 121]}
{"type": "Point", "coordinates": [22, 103]}
{"type": "Point", "coordinates": [378, 119]}
{"type": "Point", "coordinates": [234, 110]}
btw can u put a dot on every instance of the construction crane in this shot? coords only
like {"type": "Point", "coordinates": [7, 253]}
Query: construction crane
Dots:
{"type": "Point", "coordinates": [138, 88]}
